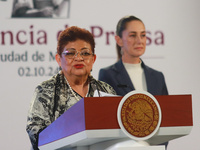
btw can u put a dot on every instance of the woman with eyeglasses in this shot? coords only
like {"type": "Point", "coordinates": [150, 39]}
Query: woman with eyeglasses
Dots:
{"type": "Point", "coordinates": [75, 56]}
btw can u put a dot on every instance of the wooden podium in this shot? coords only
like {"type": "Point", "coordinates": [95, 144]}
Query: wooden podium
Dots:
{"type": "Point", "coordinates": [92, 123]}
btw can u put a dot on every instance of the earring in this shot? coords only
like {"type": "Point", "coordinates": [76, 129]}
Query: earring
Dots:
{"type": "Point", "coordinates": [122, 52]}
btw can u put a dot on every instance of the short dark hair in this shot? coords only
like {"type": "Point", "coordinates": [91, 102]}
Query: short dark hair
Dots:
{"type": "Point", "coordinates": [72, 34]}
{"type": "Point", "coordinates": [121, 26]}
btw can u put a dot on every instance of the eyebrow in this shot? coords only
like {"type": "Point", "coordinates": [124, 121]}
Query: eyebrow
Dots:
{"type": "Point", "coordinates": [84, 48]}
{"type": "Point", "coordinates": [75, 49]}
{"type": "Point", "coordinates": [136, 32]}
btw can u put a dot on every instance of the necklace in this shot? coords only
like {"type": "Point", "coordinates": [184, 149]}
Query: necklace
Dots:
{"type": "Point", "coordinates": [71, 89]}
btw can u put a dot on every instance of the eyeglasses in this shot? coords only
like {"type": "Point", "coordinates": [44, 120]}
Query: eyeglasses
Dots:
{"type": "Point", "coordinates": [72, 53]}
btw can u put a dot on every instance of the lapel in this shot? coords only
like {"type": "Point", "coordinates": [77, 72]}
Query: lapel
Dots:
{"type": "Point", "coordinates": [149, 78]}
{"type": "Point", "coordinates": [122, 77]}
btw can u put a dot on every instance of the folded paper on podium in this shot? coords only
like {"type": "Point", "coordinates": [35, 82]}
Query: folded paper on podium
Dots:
{"type": "Point", "coordinates": [94, 120]}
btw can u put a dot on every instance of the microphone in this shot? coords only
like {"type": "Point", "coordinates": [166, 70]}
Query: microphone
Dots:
{"type": "Point", "coordinates": [95, 85]}
{"type": "Point", "coordinates": [97, 89]}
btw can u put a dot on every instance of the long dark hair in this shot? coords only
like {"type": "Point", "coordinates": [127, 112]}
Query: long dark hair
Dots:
{"type": "Point", "coordinates": [121, 26]}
